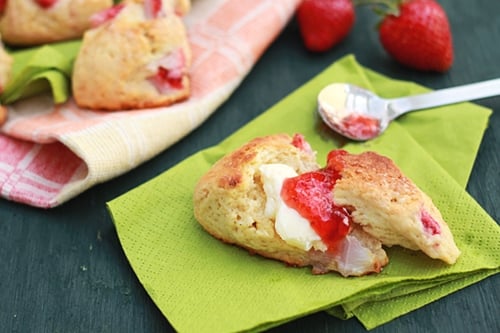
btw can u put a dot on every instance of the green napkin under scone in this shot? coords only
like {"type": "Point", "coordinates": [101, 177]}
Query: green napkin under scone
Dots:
{"type": "Point", "coordinates": [40, 69]}
{"type": "Point", "coordinates": [201, 284]}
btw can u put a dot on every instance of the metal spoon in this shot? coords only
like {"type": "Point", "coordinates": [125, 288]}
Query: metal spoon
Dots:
{"type": "Point", "coordinates": [360, 115]}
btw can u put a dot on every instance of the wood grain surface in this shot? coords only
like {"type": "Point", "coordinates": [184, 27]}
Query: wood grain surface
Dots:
{"type": "Point", "coordinates": [63, 270]}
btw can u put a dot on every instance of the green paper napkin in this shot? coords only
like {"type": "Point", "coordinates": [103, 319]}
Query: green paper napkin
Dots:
{"type": "Point", "coordinates": [201, 284]}
{"type": "Point", "coordinates": [40, 69]}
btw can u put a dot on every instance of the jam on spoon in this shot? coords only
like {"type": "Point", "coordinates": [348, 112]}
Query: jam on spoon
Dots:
{"type": "Point", "coordinates": [360, 115]}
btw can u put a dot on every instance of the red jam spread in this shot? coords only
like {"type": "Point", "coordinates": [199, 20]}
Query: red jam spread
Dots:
{"type": "Point", "coordinates": [362, 127]}
{"type": "Point", "coordinates": [310, 194]}
{"type": "Point", "coordinates": [2, 5]}
{"type": "Point", "coordinates": [430, 224]}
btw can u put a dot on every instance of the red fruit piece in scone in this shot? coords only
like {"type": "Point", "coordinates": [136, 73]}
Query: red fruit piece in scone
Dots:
{"type": "Point", "coordinates": [46, 3]}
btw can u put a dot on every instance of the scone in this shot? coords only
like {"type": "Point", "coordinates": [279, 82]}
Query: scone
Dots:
{"type": "Point", "coordinates": [137, 56]}
{"type": "Point", "coordinates": [238, 201]}
{"type": "Point", "coordinates": [35, 22]}
{"type": "Point", "coordinates": [390, 207]}
{"type": "Point", "coordinates": [271, 198]}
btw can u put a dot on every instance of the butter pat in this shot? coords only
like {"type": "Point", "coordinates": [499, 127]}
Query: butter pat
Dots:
{"type": "Point", "coordinates": [289, 224]}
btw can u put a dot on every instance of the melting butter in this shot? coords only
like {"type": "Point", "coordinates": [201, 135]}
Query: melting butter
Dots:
{"type": "Point", "coordinates": [289, 224]}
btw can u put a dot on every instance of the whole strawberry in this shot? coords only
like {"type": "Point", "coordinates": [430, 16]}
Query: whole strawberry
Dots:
{"type": "Point", "coordinates": [324, 23]}
{"type": "Point", "coordinates": [418, 35]}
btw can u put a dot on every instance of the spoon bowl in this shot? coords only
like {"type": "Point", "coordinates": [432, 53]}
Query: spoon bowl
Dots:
{"type": "Point", "coordinates": [361, 115]}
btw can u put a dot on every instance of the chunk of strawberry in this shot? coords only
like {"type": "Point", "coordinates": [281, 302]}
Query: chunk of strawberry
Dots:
{"type": "Point", "coordinates": [106, 15]}
{"type": "Point", "coordinates": [169, 72]}
{"type": "Point", "coordinates": [45, 3]}
{"type": "Point", "coordinates": [3, 3]}
{"type": "Point", "coordinates": [300, 142]}
{"type": "Point", "coordinates": [430, 224]}
{"type": "Point", "coordinates": [153, 8]}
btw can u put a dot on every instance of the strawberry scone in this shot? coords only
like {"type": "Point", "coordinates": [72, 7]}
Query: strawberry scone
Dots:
{"type": "Point", "coordinates": [34, 22]}
{"type": "Point", "coordinates": [271, 198]}
{"type": "Point", "coordinates": [136, 56]}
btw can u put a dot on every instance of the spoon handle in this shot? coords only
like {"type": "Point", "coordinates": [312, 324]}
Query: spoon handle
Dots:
{"type": "Point", "coordinates": [446, 96]}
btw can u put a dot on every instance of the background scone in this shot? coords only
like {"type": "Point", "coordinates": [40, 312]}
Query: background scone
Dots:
{"type": "Point", "coordinates": [34, 22]}
{"type": "Point", "coordinates": [271, 197]}
{"type": "Point", "coordinates": [137, 56]}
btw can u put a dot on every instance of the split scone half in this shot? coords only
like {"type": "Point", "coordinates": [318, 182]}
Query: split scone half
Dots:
{"type": "Point", "coordinates": [136, 56]}
{"type": "Point", "coordinates": [35, 22]}
{"type": "Point", "coordinates": [271, 197]}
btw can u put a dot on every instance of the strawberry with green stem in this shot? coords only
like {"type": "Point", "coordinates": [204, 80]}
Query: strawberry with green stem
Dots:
{"type": "Point", "coordinates": [415, 33]}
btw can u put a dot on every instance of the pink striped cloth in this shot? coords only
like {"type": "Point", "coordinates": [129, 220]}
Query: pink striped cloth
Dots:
{"type": "Point", "coordinates": [51, 153]}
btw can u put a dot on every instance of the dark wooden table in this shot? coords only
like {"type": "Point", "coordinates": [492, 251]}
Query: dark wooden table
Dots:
{"type": "Point", "coordinates": [63, 270]}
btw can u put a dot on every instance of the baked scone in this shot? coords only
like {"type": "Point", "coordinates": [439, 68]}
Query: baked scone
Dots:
{"type": "Point", "coordinates": [390, 207]}
{"type": "Point", "coordinates": [35, 22]}
{"type": "Point", "coordinates": [271, 198]}
{"type": "Point", "coordinates": [137, 56]}
{"type": "Point", "coordinates": [232, 203]}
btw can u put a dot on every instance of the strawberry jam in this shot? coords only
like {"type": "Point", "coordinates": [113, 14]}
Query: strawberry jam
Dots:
{"type": "Point", "coordinates": [310, 194]}
{"type": "Point", "coordinates": [362, 127]}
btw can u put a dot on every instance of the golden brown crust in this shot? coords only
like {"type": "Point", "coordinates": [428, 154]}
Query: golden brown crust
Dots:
{"type": "Point", "coordinates": [389, 206]}
{"type": "Point", "coordinates": [26, 23]}
{"type": "Point", "coordinates": [114, 67]}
